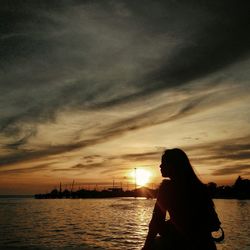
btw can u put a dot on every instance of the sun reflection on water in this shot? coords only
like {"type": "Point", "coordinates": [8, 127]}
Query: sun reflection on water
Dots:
{"type": "Point", "coordinates": [119, 223]}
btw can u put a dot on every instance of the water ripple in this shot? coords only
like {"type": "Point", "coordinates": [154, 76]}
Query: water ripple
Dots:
{"type": "Point", "coordinates": [100, 223]}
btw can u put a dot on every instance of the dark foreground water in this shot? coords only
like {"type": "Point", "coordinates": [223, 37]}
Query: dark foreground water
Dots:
{"type": "Point", "coordinates": [115, 224]}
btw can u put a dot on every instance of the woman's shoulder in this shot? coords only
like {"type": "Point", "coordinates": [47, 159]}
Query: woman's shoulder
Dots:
{"type": "Point", "coordinates": [165, 185]}
{"type": "Point", "coordinates": [165, 192]}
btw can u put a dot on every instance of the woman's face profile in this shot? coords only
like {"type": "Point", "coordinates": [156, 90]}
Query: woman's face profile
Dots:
{"type": "Point", "coordinates": [163, 167]}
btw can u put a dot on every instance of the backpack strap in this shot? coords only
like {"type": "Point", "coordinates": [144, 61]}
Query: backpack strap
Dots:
{"type": "Point", "coordinates": [221, 238]}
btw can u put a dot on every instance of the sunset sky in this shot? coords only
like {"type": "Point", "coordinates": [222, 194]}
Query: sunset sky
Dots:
{"type": "Point", "coordinates": [91, 90]}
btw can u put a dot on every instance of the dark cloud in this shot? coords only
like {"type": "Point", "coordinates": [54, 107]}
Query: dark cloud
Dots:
{"type": "Point", "coordinates": [107, 166]}
{"type": "Point", "coordinates": [24, 140]}
{"type": "Point", "coordinates": [89, 166]}
{"type": "Point", "coordinates": [169, 112]}
{"type": "Point", "coordinates": [156, 155]}
{"type": "Point", "coordinates": [26, 170]}
{"type": "Point", "coordinates": [91, 158]}
{"type": "Point", "coordinates": [162, 114]}
{"type": "Point", "coordinates": [220, 41]}
{"type": "Point", "coordinates": [228, 170]}
{"type": "Point", "coordinates": [110, 164]}
{"type": "Point", "coordinates": [214, 36]}
{"type": "Point", "coordinates": [229, 156]}
{"type": "Point", "coordinates": [228, 149]}
{"type": "Point", "coordinates": [43, 43]}
{"type": "Point", "coordinates": [92, 55]}
{"type": "Point", "coordinates": [149, 118]}
{"type": "Point", "coordinates": [27, 155]}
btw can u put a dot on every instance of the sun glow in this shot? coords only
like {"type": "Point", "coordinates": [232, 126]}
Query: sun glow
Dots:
{"type": "Point", "coordinates": [141, 176]}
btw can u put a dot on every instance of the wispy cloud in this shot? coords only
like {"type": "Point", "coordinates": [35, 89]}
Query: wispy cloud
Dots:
{"type": "Point", "coordinates": [225, 157]}
{"type": "Point", "coordinates": [28, 170]}
{"type": "Point", "coordinates": [170, 112]}
{"type": "Point", "coordinates": [228, 170]}
{"type": "Point", "coordinates": [120, 67]}
{"type": "Point", "coordinates": [142, 156]}
{"type": "Point", "coordinates": [88, 54]}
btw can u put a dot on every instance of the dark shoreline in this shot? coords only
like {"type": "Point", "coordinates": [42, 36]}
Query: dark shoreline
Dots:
{"type": "Point", "coordinates": [239, 190]}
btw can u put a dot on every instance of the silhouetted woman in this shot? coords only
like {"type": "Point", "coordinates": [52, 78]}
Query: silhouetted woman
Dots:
{"type": "Point", "coordinates": [186, 200]}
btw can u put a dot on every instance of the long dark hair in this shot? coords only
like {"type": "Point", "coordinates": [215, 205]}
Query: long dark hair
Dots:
{"type": "Point", "coordinates": [183, 177]}
{"type": "Point", "coordinates": [187, 186]}
{"type": "Point", "coordinates": [179, 167]}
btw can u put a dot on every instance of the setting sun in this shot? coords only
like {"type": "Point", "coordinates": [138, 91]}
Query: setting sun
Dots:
{"type": "Point", "coordinates": [141, 176]}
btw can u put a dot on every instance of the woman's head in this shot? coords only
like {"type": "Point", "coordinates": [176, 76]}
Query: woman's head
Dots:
{"type": "Point", "coordinates": [176, 165]}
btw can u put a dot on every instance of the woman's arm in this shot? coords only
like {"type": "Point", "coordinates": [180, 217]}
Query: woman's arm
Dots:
{"type": "Point", "coordinates": [157, 222]}
{"type": "Point", "coordinates": [156, 225]}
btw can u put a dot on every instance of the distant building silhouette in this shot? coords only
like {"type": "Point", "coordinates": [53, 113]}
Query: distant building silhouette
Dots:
{"type": "Point", "coordinates": [239, 190]}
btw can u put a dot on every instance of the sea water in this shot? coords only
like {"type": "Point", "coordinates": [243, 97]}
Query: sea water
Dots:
{"type": "Point", "coordinates": [118, 223]}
